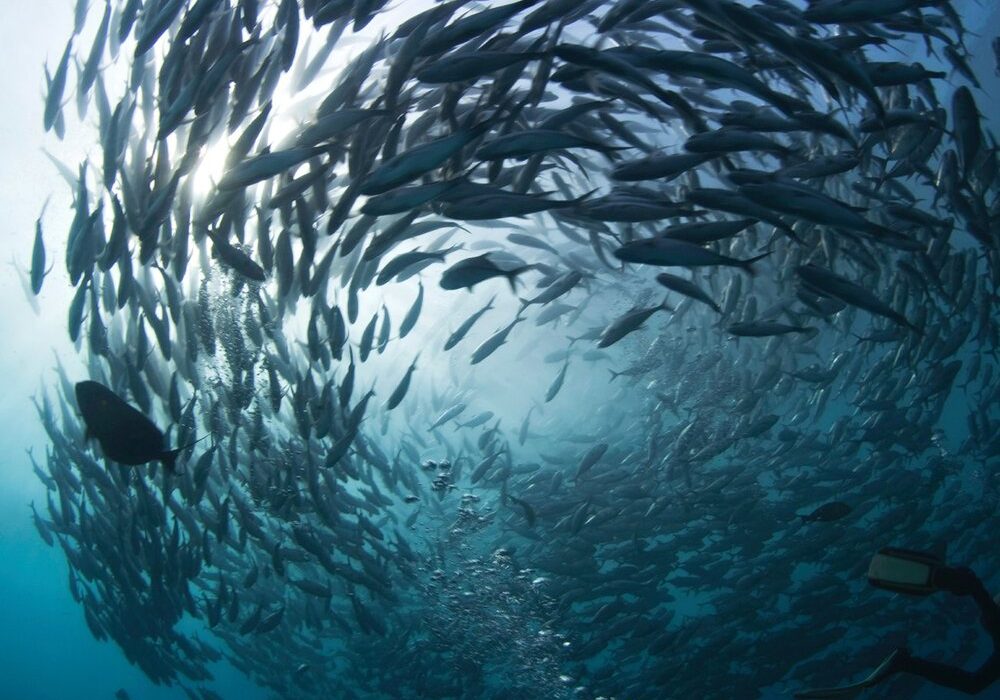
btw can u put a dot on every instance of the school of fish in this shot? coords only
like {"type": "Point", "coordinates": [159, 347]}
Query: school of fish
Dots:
{"type": "Point", "coordinates": [774, 223]}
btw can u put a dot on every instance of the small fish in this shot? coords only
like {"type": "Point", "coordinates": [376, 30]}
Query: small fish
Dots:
{"type": "Point", "coordinates": [707, 232]}
{"type": "Point", "coordinates": [53, 100]}
{"type": "Point", "coordinates": [402, 199]}
{"type": "Point", "coordinates": [828, 512]}
{"type": "Point", "coordinates": [264, 166]}
{"type": "Point", "coordinates": [499, 204]}
{"type": "Point", "coordinates": [469, 65]}
{"type": "Point", "coordinates": [476, 421]}
{"type": "Point", "coordinates": [38, 271]}
{"type": "Point", "coordinates": [447, 415]}
{"type": "Point", "coordinates": [529, 512]}
{"type": "Point", "coordinates": [827, 283]}
{"type": "Point", "coordinates": [668, 252]}
{"type": "Point", "coordinates": [88, 73]}
{"type": "Point", "coordinates": [410, 319]}
{"type": "Point", "coordinates": [493, 343]}
{"type": "Point", "coordinates": [732, 140]}
{"type": "Point", "coordinates": [630, 321]}
{"type": "Point", "coordinates": [659, 167]}
{"type": "Point", "coordinates": [592, 457]}
{"type": "Point", "coordinates": [762, 329]}
{"type": "Point", "coordinates": [558, 288]}
{"type": "Point", "coordinates": [456, 337]}
{"type": "Point", "coordinates": [557, 382]}
{"type": "Point", "coordinates": [469, 272]}
{"type": "Point", "coordinates": [399, 393]}
{"type": "Point", "coordinates": [687, 288]}
{"type": "Point", "coordinates": [411, 164]}
{"type": "Point", "coordinates": [531, 242]}
{"type": "Point", "coordinates": [236, 258]}
{"type": "Point", "coordinates": [522, 144]}
{"type": "Point", "coordinates": [400, 263]}
{"type": "Point", "coordinates": [328, 126]}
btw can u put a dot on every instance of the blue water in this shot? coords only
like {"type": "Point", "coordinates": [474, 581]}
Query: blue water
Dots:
{"type": "Point", "coordinates": [46, 650]}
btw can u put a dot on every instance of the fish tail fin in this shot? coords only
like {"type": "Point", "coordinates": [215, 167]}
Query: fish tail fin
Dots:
{"type": "Point", "coordinates": [748, 263]}
{"type": "Point", "coordinates": [169, 460]}
{"type": "Point", "coordinates": [790, 232]}
{"type": "Point", "coordinates": [878, 182]}
{"type": "Point", "coordinates": [611, 152]}
{"type": "Point", "coordinates": [582, 198]}
{"type": "Point", "coordinates": [511, 276]}
{"type": "Point", "coordinates": [614, 374]}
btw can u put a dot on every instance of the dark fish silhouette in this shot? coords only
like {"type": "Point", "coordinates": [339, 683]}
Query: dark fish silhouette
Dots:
{"type": "Point", "coordinates": [834, 510]}
{"type": "Point", "coordinates": [126, 436]}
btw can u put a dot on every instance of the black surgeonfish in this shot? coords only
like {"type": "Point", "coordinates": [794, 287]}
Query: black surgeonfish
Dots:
{"type": "Point", "coordinates": [126, 436]}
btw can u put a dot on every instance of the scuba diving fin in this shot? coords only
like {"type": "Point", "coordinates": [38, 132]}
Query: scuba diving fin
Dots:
{"type": "Point", "coordinates": [904, 571]}
{"type": "Point", "coordinates": [881, 672]}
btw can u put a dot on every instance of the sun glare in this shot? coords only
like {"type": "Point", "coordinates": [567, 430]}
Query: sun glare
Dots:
{"type": "Point", "coordinates": [211, 167]}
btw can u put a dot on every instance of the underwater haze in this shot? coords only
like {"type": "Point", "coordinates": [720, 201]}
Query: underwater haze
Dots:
{"type": "Point", "coordinates": [539, 349]}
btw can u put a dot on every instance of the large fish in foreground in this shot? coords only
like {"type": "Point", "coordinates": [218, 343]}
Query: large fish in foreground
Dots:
{"type": "Point", "coordinates": [126, 435]}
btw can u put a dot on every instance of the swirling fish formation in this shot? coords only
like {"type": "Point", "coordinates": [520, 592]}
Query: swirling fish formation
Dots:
{"type": "Point", "coordinates": [820, 233]}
